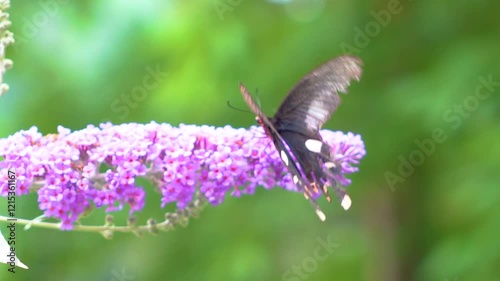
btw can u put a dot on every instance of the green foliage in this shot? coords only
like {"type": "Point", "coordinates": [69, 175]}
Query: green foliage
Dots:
{"type": "Point", "coordinates": [77, 61]}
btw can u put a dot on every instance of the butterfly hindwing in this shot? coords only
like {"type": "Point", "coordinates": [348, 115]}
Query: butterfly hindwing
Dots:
{"type": "Point", "coordinates": [317, 164]}
{"type": "Point", "coordinates": [293, 162]}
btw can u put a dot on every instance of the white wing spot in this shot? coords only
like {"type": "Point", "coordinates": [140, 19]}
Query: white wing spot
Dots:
{"type": "Point", "coordinates": [346, 202]}
{"type": "Point", "coordinates": [315, 113]}
{"type": "Point", "coordinates": [314, 145]}
{"type": "Point", "coordinates": [284, 157]}
{"type": "Point", "coordinates": [295, 179]}
{"type": "Point", "coordinates": [321, 215]}
{"type": "Point", "coordinates": [330, 165]}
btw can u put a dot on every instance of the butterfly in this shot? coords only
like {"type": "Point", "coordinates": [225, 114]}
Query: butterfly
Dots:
{"type": "Point", "coordinates": [294, 129]}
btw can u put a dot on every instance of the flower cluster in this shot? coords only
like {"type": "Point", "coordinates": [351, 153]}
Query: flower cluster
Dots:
{"type": "Point", "coordinates": [100, 165]}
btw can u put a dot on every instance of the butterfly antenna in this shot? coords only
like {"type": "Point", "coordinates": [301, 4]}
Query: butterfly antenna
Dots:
{"type": "Point", "coordinates": [235, 108]}
{"type": "Point", "coordinates": [257, 98]}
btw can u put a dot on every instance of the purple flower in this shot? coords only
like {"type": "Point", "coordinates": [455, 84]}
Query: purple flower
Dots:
{"type": "Point", "coordinates": [100, 165]}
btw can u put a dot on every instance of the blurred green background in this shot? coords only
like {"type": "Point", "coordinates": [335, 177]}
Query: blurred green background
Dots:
{"type": "Point", "coordinates": [425, 67]}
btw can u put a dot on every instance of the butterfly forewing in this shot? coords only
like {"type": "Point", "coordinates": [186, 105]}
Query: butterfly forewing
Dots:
{"type": "Point", "coordinates": [293, 160]}
{"type": "Point", "coordinates": [251, 102]}
{"type": "Point", "coordinates": [313, 100]}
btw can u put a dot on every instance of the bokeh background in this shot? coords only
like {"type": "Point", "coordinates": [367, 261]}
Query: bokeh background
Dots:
{"type": "Point", "coordinates": [75, 62]}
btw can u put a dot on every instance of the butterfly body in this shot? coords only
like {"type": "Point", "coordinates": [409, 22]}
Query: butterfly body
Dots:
{"type": "Point", "coordinates": [294, 129]}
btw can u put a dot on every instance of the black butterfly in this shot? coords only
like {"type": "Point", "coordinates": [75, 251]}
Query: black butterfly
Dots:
{"type": "Point", "coordinates": [294, 129]}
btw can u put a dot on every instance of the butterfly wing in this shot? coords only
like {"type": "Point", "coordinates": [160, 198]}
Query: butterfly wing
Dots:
{"type": "Point", "coordinates": [318, 168]}
{"type": "Point", "coordinates": [283, 148]}
{"type": "Point", "coordinates": [313, 100]}
{"type": "Point", "coordinates": [251, 102]}
{"type": "Point", "coordinates": [287, 156]}
{"type": "Point", "coordinates": [296, 167]}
